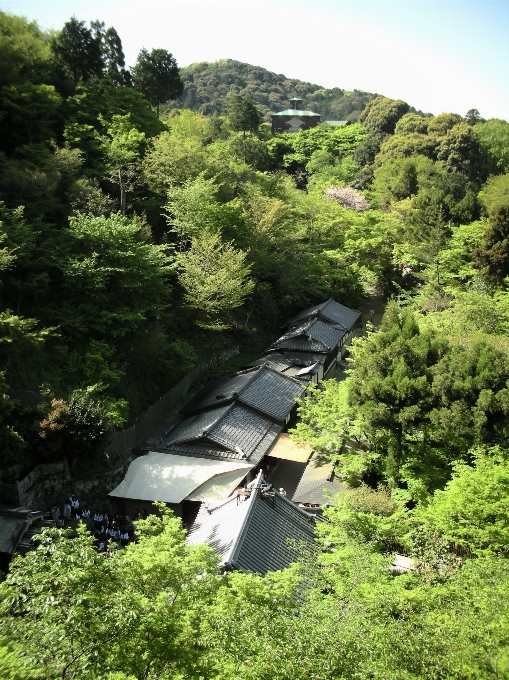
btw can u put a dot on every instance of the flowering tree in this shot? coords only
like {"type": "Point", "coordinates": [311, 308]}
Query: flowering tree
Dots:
{"type": "Point", "coordinates": [348, 198]}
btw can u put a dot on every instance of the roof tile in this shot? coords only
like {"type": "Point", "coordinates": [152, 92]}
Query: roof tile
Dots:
{"type": "Point", "coordinates": [254, 534]}
{"type": "Point", "coordinates": [264, 389]}
{"type": "Point", "coordinates": [317, 482]}
{"type": "Point", "coordinates": [311, 336]}
{"type": "Point", "coordinates": [331, 311]}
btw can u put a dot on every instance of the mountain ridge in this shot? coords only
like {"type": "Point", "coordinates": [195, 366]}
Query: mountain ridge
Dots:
{"type": "Point", "coordinates": [206, 85]}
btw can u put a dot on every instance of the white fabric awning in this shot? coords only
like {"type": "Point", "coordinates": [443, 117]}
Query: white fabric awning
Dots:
{"type": "Point", "coordinates": [169, 478]}
{"type": "Point", "coordinates": [219, 487]}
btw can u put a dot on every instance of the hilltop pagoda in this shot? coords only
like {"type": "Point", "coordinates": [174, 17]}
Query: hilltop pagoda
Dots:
{"type": "Point", "coordinates": [294, 118]}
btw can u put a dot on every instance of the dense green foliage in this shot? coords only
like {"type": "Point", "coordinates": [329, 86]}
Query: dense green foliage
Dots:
{"type": "Point", "coordinates": [433, 381]}
{"type": "Point", "coordinates": [110, 216]}
{"type": "Point", "coordinates": [160, 609]}
{"type": "Point", "coordinates": [132, 247]}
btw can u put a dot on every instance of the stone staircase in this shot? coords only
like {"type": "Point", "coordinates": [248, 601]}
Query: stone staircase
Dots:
{"type": "Point", "coordinates": [19, 526]}
{"type": "Point", "coordinates": [27, 542]}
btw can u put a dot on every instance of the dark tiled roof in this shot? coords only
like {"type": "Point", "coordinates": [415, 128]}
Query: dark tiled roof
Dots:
{"type": "Point", "coordinates": [220, 526]}
{"type": "Point", "coordinates": [253, 534]}
{"type": "Point", "coordinates": [276, 361]}
{"type": "Point", "coordinates": [311, 336]}
{"type": "Point", "coordinates": [262, 388]}
{"type": "Point", "coordinates": [205, 450]}
{"type": "Point", "coordinates": [273, 522]}
{"type": "Point", "coordinates": [240, 428]}
{"type": "Point", "coordinates": [317, 482]}
{"type": "Point", "coordinates": [305, 358]}
{"type": "Point", "coordinates": [331, 311]}
{"type": "Point", "coordinates": [226, 389]}
{"type": "Point", "coordinates": [265, 444]}
{"type": "Point", "coordinates": [272, 393]}
{"type": "Point", "coordinates": [232, 427]}
{"type": "Point", "coordinates": [194, 426]}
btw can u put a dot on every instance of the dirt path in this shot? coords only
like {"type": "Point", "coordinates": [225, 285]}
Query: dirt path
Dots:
{"type": "Point", "coordinates": [377, 303]}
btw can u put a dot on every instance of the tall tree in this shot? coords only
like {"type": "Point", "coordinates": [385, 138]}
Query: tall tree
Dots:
{"type": "Point", "coordinates": [493, 256]}
{"type": "Point", "coordinates": [459, 151]}
{"type": "Point", "coordinates": [381, 114]}
{"type": "Point", "coordinates": [77, 427]}
{"type": "Point", "coordinates": [78, 50]}
{"type": "Point", "coordinates": [123, 146]}
{"type": "Point", "coordinates": [112, 53]}
{"type": "Point", "coordinates": [157, 76]}
{"type": "Point", "coordinates": [242, 114]}
{"type": "Point", "coordinates": [214, 276]}
{"type": "Point", "coordinates": [114, 277]}
{"type": "Point", "coordinates": [493, 137]}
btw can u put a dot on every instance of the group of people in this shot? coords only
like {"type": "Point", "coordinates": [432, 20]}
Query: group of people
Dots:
{"type": "Point", "coordinates": [106, 528]}
{"type": "Point", "coordinates": [109, 529]}
{"type": "Point", "coordinates": [70, 511]}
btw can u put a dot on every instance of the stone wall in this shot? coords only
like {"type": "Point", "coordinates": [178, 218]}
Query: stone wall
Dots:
{"type": "Point", "coordinates": [52, 484]}
{"type": "Point", "coordinates": [128, 439]}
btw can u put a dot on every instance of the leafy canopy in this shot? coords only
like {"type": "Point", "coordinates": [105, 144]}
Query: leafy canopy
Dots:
{"type": "Point", "coordinates": [214, 276]}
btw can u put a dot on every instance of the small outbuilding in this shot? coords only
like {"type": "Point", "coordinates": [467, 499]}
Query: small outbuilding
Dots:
{"type": "Point", "coordinates": [18, 527]}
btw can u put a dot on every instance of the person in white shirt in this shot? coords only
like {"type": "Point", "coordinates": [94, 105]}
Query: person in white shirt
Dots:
{"type": "Point", "coordinates": [85, 513]}
{"type": "Point", "coordinates": [98, 519]}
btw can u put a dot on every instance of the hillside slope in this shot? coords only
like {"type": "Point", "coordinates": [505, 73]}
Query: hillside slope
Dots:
{"type": "Point", "coordinates": [207, 84]}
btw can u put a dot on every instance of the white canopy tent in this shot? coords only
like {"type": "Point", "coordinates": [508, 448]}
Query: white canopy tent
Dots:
{"type": "Point", "coordinates": [170, 478]}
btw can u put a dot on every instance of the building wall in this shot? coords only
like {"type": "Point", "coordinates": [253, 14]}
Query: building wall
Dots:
{"type": "Point", "coordinates": [282, 123]}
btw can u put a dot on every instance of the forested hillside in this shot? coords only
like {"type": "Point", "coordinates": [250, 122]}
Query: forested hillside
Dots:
{"type": "Point", "coordinates": [138, 237]}
{"type": "Point", "coordinates": [206, 86]}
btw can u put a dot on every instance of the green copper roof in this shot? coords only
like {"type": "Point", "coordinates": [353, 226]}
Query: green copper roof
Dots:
{"type": "Point", "coordinates": [295, 112]}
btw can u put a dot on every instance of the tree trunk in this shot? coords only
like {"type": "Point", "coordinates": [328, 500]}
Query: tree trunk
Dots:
{"type": "Point", "coordinates": [122, 191]}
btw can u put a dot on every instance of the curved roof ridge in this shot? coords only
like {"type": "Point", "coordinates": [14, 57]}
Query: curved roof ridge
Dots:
{"type": "Point", "coordinates": [217, 506]}
{"type": "Point", "coordinates": [280, 375]}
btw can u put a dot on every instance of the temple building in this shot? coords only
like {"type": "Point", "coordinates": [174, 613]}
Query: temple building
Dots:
{"type": "Point", "coordinates": [294, 118]}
